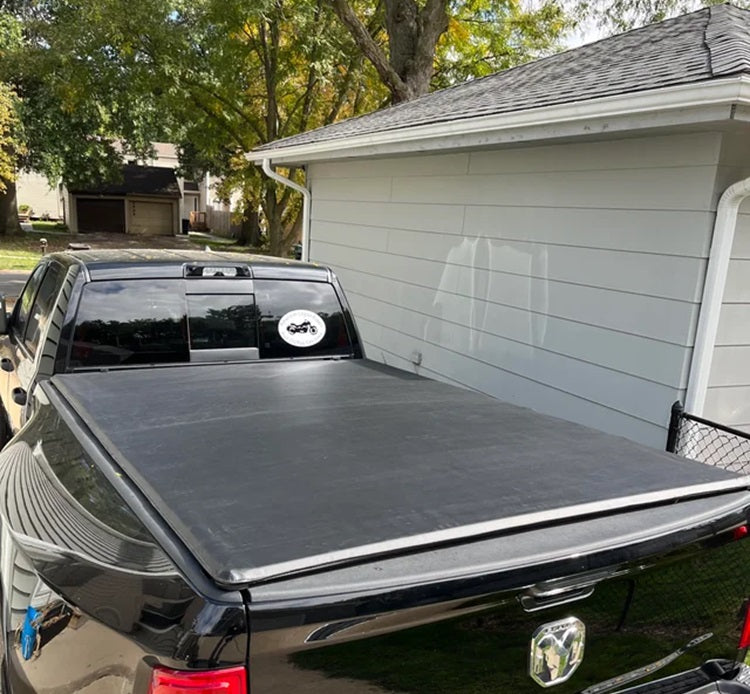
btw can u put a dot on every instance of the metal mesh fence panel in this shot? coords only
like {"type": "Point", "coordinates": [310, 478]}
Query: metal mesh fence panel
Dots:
{"type": "Point", "coordinates": [708, 442]}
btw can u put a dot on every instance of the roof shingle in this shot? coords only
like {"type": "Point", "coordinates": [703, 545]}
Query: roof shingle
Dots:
{"type": "Point", "coordinates": [137, 180]}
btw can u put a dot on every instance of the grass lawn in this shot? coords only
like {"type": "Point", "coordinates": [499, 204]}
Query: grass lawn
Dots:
{"type": "Point", "coordinates": [23, 251]}
{"type": "Point", "coordinates": [49, 226]}
{"type": "Point", "coordinates": [218, 243]}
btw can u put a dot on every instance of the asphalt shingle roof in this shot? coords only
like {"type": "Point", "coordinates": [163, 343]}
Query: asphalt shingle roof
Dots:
{"type": "Point", "coordinates": [704, 45]}
{"type": "Point", "coordinates": [137, 180]}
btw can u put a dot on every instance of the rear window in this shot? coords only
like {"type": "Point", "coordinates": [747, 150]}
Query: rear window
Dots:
{"type": "Point", "coordinates": [300, 319]}
{"type": "Point", "coordinates": [121, 323]}
{"type": "Point", "coordinates": [220, 321]}
{"type": "Point", "coordinates": [135, 322]}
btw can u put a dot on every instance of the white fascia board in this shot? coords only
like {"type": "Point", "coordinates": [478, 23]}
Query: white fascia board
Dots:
{"type": "Point", "coordinates": [692, 103]}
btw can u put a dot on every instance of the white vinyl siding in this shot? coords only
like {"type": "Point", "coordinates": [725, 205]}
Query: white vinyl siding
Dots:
{"type": "Point", "coordinates": [728, 396]}
{"type": "Point", "coordinates": [34, 189]}
{"type": "Point", "coordinates": [565, 278]}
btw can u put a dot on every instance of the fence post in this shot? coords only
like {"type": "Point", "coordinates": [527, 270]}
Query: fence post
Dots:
{"type": "Point", "coordinates": [674, 426]}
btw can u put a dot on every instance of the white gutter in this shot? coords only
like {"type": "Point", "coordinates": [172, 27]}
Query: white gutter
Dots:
{"type": "Point", "coordinates": [676, 104]}
{"type": "Point", "coordinates": [306, 200]}
{"type": "Point", "coordinates": [713, 294]}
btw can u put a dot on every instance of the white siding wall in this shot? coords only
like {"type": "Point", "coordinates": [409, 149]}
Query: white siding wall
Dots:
{"type": "Point", "coordinates": [564, 278]}
{"type": "Point", "coordinates": [34, 189]}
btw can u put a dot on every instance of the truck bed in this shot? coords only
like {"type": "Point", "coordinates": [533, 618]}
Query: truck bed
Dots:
{"type": "Point", "coordinates": [264, 470]}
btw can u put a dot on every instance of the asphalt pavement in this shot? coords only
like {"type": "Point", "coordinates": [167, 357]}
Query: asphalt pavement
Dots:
{"type": "Point", "coordinates": [11, 283]}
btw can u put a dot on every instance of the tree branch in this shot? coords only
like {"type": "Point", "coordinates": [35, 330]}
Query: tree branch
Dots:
{"type": "Point", "coordinates": [226, 102]}
{"type": "Point", "coordinates": [371, 49]}
{"type": "Point", "coordinates": [221, 123]}
{"type": "Point", "coordinates": [346, 83]}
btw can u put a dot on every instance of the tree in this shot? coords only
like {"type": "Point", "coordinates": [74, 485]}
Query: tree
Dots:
{"type": "Point", "coordinates": [409, 43]}
{"type": "Point", "coordinates": [246, 74]}
{"type": "Point", "coordinates": [70, 110]}
{"type": "Point", "coordinates": [11, 144]}
{"type": "Point", "coordinates": [216, 78]}
{"type": "Point", "coordinates": [9, 148]}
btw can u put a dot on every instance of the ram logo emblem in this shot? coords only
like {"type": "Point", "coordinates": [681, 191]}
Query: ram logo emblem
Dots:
{"type": "Point", "coordinates": [556, 651]}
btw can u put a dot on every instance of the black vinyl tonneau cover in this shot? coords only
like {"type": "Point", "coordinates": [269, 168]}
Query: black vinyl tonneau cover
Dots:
{"type": "Point", "coordinates": [267, 469]}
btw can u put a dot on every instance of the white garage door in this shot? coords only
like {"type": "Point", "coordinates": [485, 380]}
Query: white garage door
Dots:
{"type": "Point", "coordinates": [151, 218]}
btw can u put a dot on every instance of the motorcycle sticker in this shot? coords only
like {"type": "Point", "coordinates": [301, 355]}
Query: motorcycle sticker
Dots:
{"type": "Point", "coordinates": [302, 328]}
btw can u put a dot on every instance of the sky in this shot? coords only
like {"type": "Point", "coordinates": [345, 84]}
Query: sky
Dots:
{"type": "Point", "coordinates": [588, 31]}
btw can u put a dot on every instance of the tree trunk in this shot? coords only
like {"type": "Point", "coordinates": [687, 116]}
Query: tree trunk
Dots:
{"type": "Point", "coordinates": [413, 34]}
{"type": "Point", "coordinates": [273, 217]}
{"type": "Point", "coordinates": [249, 234]}
{"type": "Point", "coordinates": [9, 223]}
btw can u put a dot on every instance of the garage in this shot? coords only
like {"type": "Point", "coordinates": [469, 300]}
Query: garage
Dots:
{"type": "Point", "coordinates": [141, 200]}
{"type": "Point", "coordinates": [95, 215]}
{"type": "Point", "coordinates": [151, 218]}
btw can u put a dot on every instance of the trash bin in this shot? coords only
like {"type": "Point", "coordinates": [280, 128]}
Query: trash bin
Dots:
{"type": "Point", "coordinates": [185, 226]}
{"type": "Point", "coordinates": [297, 250]}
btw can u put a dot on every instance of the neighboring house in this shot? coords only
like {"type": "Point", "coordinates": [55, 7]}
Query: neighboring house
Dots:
{"type": "Point", "coordinates": [45, 201]}
{"type": "Point", "coordinates": [197, 196]}
{"type": "Point", "coordinates": [145, 202]}
{"type": "Point", "coordinates": [153, 178]}
{"type": "Point", "coordinates": [200, 204]}
{"type": "Point", "coordinates": [543, 234]}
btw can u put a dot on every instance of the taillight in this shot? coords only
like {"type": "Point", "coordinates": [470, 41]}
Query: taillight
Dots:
{"type": "Point", "coordinates": [745, 636]}
{"type": "Point", "coordinates": [225, 681]}
{"type": "Point", "coordinates": [740, 532]}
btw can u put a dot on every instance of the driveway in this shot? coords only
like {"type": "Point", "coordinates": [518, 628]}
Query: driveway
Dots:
{"type": "Point", "coordinates": [11, 283]}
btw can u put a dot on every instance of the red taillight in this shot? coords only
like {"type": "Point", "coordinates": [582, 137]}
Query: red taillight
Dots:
{"type": "Point", "coordinates": [745, 636]}
{"type": "Point", "coordinates": [739, 533]}
{"type": "Point", "coordinates": [225, 681]}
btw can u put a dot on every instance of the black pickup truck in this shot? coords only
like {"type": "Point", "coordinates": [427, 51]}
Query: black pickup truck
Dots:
{"type": "Point", "coordinates": [212, 491]}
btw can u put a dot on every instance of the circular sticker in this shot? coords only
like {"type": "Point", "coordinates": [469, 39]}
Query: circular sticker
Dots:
{"type": "Point", "coordinates": [302, 328]}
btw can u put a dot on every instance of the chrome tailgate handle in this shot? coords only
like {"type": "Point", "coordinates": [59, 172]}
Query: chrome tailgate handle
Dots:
{"type": "Point", "coordinates": [533, 599]}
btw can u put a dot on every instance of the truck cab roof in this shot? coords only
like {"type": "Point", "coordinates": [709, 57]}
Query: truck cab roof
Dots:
{"type": "Point", "coordinates": [109, 264]}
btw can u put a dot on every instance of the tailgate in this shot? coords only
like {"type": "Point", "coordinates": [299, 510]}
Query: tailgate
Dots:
{"type": "Point", "coordinates": [649, 595]}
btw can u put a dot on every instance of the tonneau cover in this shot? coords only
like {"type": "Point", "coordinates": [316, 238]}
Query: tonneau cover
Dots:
{"type": "Point", "coordinates": [266, 469]}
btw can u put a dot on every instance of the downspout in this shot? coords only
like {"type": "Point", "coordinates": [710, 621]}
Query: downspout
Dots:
{"type": "Point", "coordinates": [306, 199]}
{"type": "Point", "coordinates": [713, 294]}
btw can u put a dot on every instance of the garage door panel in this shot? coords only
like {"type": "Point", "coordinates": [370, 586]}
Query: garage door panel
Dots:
{"type": "Point", "coordinates": [96, 215]}
{"type": "Point", "coordinates": [151, 218]}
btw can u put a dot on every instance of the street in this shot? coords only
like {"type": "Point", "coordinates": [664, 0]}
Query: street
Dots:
{"type": "Point", "coordinates": [11, 283]}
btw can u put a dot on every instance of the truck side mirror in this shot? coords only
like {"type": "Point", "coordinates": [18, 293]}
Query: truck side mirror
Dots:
{"type": "Point", "coordinates": [3, 316]}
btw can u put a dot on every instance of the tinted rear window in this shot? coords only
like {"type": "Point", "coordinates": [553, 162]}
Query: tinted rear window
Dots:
{"type": "Point", "coordinates": [136, 322]}
{"type": "Point", "coordinates": [219, 321]}
{"type": "Point", "coordinates": [154, 321]}
{"type": "Point", "coordinates": [288, 323]}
